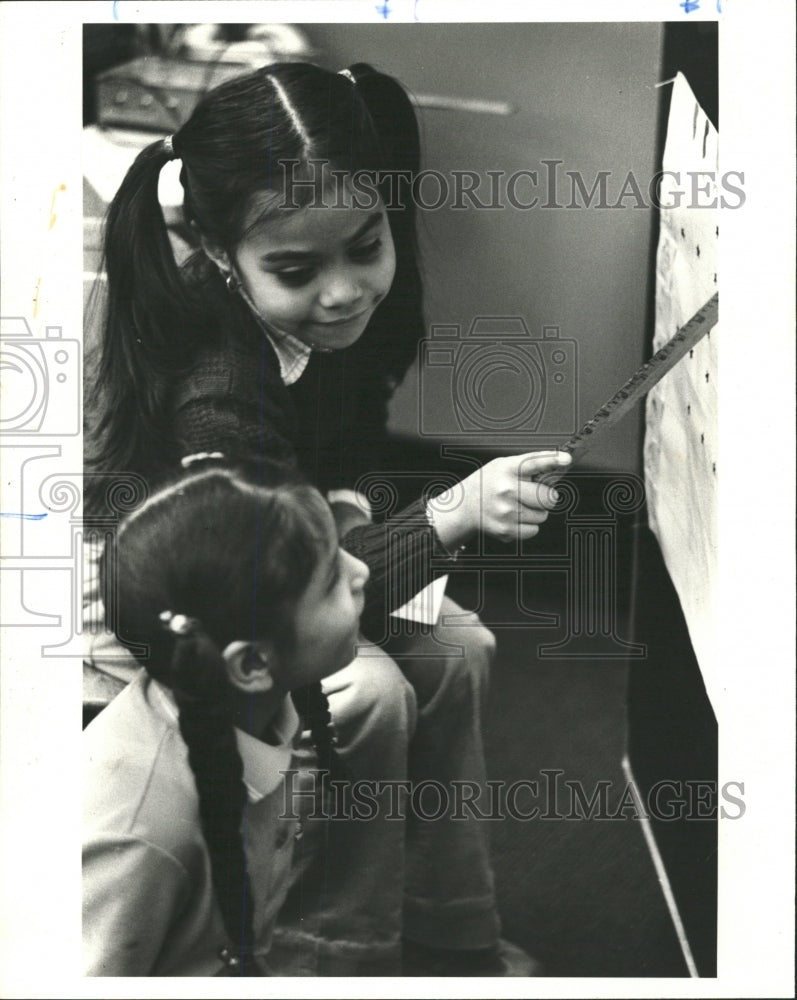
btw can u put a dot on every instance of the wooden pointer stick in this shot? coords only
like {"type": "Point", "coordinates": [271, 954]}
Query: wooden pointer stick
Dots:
{"type": "Point", "coordinates": [643, 380]}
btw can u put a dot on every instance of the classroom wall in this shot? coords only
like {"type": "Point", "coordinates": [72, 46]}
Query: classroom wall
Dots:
{"type": "Point", "coordinates": [584, 94]}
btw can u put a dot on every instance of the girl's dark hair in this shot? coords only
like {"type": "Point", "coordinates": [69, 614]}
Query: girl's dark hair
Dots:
{"type": "Point", "coordinates": [237, 145]}
{"type": "Point", "coordinates": [173, 554]}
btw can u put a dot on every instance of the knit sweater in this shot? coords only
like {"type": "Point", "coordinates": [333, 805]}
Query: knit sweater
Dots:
{"type": "Point", "coordinates": [327, 427]}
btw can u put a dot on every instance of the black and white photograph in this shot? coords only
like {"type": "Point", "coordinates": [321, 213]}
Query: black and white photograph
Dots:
{"type": "Point", "coordinates": [390, 589]}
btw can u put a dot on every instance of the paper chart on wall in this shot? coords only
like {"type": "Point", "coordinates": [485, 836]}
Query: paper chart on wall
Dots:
{"type": "Point", "coordinates": [681, 420]}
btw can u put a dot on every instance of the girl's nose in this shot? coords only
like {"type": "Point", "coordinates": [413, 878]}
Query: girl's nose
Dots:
{"type": "Point", "coordinates": [341, 289]}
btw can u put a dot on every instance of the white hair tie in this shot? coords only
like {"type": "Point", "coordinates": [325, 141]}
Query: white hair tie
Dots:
{"type": "Point", "coordinates": [200, 456]}
{"type": "Point", "coordinates": [177, 624]}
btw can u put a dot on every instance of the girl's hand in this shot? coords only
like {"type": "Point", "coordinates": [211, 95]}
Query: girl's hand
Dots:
{"type": "Point", "coordinates": [502, 499]}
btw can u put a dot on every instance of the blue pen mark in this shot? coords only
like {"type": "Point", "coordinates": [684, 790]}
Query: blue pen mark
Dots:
{"type": "Point", "coordinates": [384, 10]}
{"type": "Point", "coordinates": [115, 10]}
{"type": "Point", "coordinates": [25, 517]}
{"type": "Point", "coordinates": [690, 5]}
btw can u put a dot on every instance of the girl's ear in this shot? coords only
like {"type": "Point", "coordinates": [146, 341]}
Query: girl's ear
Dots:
{"type": "Point", "coordinates": [219, 257]}
{"type": "Point", "coordinates": [249, 666]}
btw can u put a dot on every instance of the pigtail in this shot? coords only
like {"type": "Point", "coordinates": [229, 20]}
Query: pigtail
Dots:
{"type": "Point", "coordinates": [398, 324]}
{"type": "Point", "coordinates": [312, 705]}
{"type": "Point", "coordinates": [147, 304]}
{"type": "Point", "coordinates": [393, 118]}
{"type": "Point", "coordinates": [203, 696]}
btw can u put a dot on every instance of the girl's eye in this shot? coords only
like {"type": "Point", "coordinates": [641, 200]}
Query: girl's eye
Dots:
{"type": "Point", "coordinates": [367, 251]}
{"type": "Point", "coordinates": [294, 276]}
{"type": "Point", "coordinates": [335, 578]}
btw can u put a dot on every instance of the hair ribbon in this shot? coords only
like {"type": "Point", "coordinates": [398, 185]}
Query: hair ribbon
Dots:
{"type": "Point", "coordinates": [201, 456]}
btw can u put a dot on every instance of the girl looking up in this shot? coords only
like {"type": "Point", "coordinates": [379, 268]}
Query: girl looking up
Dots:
{"type": "Point", "coordinates": [232, 595]}
{"type": "Point", "coordinates": [279, 345]}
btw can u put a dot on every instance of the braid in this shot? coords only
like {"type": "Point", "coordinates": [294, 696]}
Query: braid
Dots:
{"type": "Point", "coordinates": [206, 723]}
{"type": "Point", "coordinates": [312, 704]}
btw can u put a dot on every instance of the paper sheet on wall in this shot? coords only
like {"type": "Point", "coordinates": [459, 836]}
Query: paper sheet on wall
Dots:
{"type": "Point", "coordinates": [681, 432]}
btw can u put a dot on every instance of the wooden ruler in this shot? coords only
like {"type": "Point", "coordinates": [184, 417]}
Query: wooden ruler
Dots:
{"type": "Point", "coordinates": [643, 380]}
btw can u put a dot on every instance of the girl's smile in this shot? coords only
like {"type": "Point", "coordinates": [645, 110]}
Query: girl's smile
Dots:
{"type": "Point", "coordinates": [317, 274]}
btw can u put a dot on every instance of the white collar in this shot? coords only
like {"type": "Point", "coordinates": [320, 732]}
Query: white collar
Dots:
{"type": "Point", "coordinates": [293, 356]}
{"type": "Point", "coordinates": [263, 762]}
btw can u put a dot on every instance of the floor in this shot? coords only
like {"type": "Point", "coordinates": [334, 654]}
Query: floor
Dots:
{"type": "Point", "coordinates": [580, 894]}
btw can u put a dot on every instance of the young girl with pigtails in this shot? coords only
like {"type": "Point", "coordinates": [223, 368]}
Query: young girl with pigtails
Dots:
{"type": "Point", "coordinates": [278, 345]}
{"type": "Point", "coordinates": [233, 594]}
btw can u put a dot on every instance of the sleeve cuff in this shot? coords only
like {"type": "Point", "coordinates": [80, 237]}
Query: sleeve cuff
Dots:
{"type": "Point", "coordinates": [425, 606]}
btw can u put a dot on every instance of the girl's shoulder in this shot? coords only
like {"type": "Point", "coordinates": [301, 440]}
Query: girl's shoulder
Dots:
{"type": "Point", "coordinates": [233, 369]}
{"type": "Point", "coordinates": [137, 781]}
{"type": "Point", "coordinates": [226, 352]}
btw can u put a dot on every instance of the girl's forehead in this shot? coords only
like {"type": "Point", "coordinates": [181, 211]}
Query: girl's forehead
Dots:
{"type": "Point", "coordinates": [330, 218]}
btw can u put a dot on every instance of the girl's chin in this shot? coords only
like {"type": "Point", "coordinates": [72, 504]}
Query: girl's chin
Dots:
{"type": "Point", "coordinates": [350, 650]}
{"type": "Point", "coordinates": [334, 338]}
